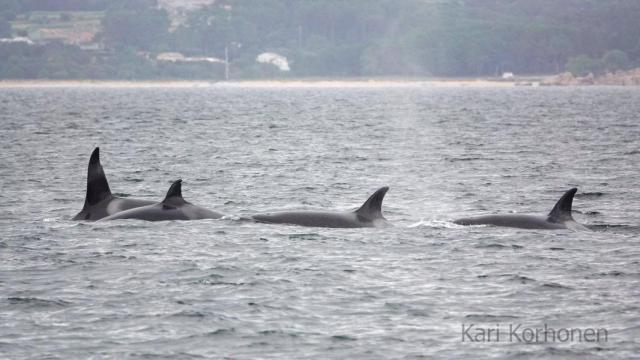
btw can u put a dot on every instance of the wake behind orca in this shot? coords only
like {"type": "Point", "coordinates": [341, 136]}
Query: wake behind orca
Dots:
{"type": "Point", "coordinates": [559, 217]}
{"type": "Point", "coordinates": [368, 215]}
{"type": "Point", "coordinates": [99, 202]}
{"type": "Point", "coordinates": [173, 207]}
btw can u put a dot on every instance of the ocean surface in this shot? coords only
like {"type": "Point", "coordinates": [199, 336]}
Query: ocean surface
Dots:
{"type": "Point", "coordinates": [239, 290]}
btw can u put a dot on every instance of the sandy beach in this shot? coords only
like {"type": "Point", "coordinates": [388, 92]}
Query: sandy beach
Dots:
{"type": "Point", "coordinates": [100, 84]}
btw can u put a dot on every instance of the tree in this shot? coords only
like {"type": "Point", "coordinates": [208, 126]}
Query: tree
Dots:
{"type": "Point", "coordinates": [136, 24]}
{"type": "Point", "coordinates": [614, 60]}
{"type": "Point", "coordinates": [582, 65]}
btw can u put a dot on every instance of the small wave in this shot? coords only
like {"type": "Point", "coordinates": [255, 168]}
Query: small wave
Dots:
{"type": "Point", "coordinates": [36, 302]}
{"type": "Point", "coordinates": [219, 332]}
{"type": "Point", "coordinates": [560, 353]}
{"type": "Point", "coordinates": [615, 228]}
{"type": "Point", "coordinates": [612, 273]}
{"type": "Point", "coordinates": [343, 338]}
{"type": "Point", "coordinates": [206, 279]}
{"type": "Point", "coordinates": [220, 283]}
{"type": "Point", "coordinates": [395, 306]}
{"type": "Point", "coordinates": [305, 236]}
{"type": "Point", "coordinates": [189, 314]}
{"type": "Point", "coordinates": [555, 286]}
{"type": "Point", "coordinates": [594, 194]}
{"type": "Point", "coordinates": [612, 226]}
{"type": "Point", "coordinates": [277, 332]}
{"type": "Point", "coordinates": [588, 213]}
{"type": "Point", "coordinates": [498, 246]}
{"type": "Point", "coordinates": [466, 159]}
{"type": "Point", "coordinates": [522, 279]}
{"type": "Point", "coordinates": [64, 200]}
{"type": "Point", "coordinates": [61, 223]}
{"type": "Point", "coordinates": [120, 224]}
{"type": "Point", "coordinates": [618, 331]}
{"type": "Point", "coordinates": [437, 224]}
{"type": "Point", "coordinates": [490, 317]}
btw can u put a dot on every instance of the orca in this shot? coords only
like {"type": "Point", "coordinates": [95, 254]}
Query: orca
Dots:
{"type": "Point", "coordinates": [99, 202]}
{"type": "Point", "coordinates": [368, 215]}
{"type": "Point", "coordinates": [559, 217]}
{"type": "Point", "coordinates": [173, 207]}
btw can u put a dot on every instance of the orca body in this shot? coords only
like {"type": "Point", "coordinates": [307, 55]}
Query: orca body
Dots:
{"type": "Point", "coordinates": [173, 207]}
{"type": "Point", "coordinates": [368, 215]}
{"type": "Point", "coordinates": [559, 217]}
{"type": "Point", "coordinates": [99, 202]}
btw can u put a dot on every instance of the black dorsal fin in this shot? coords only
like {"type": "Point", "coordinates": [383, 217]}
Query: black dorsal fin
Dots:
{"type": "Point", "coordinates": [372, 208]}
{"type": "Point", "coordinates": [97, 185]}
{"type": "Point", "coordinates": [562, 210]}
{"type": "Point", "coordinates": [174, 195]}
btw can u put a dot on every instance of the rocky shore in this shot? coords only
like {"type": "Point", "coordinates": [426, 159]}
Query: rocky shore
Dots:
{"type": "Point", "coordinates": [621, 78]}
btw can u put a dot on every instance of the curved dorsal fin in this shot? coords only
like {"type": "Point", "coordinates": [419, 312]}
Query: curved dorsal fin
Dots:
{"type": "Point", "coordinates": [174, 195]}
{"type": "Point", "coordinates": [372, 208]}
{"type": "Point", "coordinates": [97, 185]}
{"type": "Point", "coordinates": [562, 210]}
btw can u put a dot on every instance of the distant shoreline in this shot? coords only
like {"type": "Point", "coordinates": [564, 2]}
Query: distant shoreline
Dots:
{"type": "Point", "coordinates": [628, 78]}
{"type": "Point", "coordinates": [293, 83]}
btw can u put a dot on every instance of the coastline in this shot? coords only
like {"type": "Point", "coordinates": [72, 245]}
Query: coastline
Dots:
{"type": "Point", "coordinates": [619, 78]}
{"type": "Point", "coordinates": [293, 83]}
{"type": "Point", "coordinates": [628, 78]}
{"type": "Point", "coordinates": [37, 83]}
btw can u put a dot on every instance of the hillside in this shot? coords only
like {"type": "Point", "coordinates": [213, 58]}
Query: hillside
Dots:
{"type": "Point", "coordinates": [145, 39]}
{"type": "Point", "coordinates": [72, 27]}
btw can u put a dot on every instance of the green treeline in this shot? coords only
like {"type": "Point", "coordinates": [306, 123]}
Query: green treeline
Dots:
{"type": "Point", "coordinates": [336, 38]}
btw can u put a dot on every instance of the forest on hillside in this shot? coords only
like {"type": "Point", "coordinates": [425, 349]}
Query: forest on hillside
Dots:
{"type": "Point", "coordinates": [329, 38]}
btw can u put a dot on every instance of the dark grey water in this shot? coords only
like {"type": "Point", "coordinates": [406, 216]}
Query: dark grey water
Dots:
{"type": "Point", "coordinates": [226, 288]}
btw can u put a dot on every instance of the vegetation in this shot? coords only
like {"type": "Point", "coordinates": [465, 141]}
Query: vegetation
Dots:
{"type": "Point", "coordinates": [137, 25]}
{"type": "Point", "coordinates": [611, 61]}
{"type": "Point", "coordinates": [332, 38]}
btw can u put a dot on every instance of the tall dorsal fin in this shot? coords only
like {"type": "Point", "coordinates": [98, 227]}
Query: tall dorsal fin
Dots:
{"type": "Point", "coordinates": [372, 208]}
{"type": "Point", "coordinates": [97, 185]}
{"type": "Point", "coordinates": [174, 195]}
{"type": "Point", "coordinates": [562, 210]}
